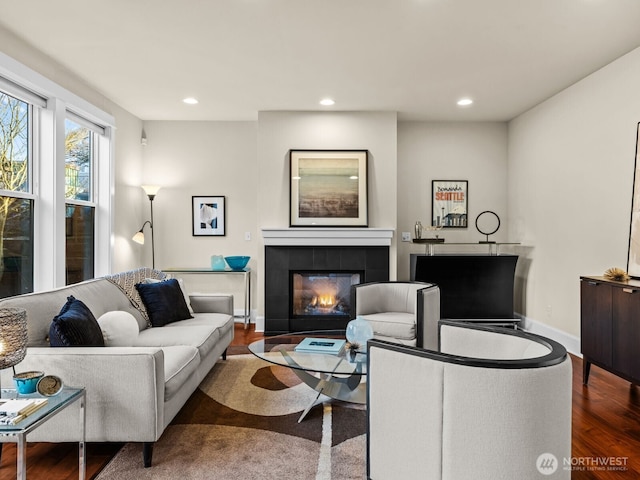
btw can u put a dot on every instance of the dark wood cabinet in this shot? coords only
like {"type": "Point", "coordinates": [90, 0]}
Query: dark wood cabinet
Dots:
{"type": "Point", "coordinates": [610, 326]}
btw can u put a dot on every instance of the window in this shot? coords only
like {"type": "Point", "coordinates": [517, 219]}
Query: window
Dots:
{"type": "Point", "coordinates": [55, 203]}
{"type": "Point", "coordinates": [16, 197]}
{"type": "Point", "coordinates": [80, 209]}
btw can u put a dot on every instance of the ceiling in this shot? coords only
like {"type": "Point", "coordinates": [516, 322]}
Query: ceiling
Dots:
{"type": "Point", "coordinates": [239, 57]}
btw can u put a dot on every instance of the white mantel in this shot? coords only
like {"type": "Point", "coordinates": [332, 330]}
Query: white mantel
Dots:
{"type": "Point", "coordinates": [338, 236]}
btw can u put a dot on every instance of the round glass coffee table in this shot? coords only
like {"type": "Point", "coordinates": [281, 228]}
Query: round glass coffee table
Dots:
{"type": "Point", "coordinates": [336, 375]}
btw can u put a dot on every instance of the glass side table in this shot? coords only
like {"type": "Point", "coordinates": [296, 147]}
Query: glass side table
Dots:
{"type": "Point", "coordinates": [18, 433]}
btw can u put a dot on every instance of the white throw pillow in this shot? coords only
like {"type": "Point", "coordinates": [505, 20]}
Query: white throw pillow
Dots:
{"type": "Point", "coordinates": [119, 328]}
{"type": "Point", "coordinates": [185, 294]}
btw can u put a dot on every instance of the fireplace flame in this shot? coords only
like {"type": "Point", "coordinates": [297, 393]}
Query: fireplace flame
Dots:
{"type": "Point", "coordinates": [323, 301]}
{"type": "Point", "coordinates": [326, 300]}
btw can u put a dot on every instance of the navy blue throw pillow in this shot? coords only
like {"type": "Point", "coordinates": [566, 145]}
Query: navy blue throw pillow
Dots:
{"type": "Point", "coordinates": [164, 302]}
{"type": "Point", "coordinates": [75, 326]}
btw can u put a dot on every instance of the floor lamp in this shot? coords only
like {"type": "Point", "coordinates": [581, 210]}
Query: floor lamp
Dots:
{"type": "Point", "coordinates": [151, 191]}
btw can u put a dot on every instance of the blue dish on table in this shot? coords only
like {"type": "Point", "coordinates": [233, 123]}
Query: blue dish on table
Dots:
{"type": "Point", "coordinates": [26, 381]}
{"type": "Point", "coordinates": [237, 262]}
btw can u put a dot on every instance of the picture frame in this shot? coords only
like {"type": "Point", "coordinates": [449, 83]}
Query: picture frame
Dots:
{"type": "Point", "coordinates": [449, 203]}
{"type": "Point", "coordinates": [328, 188]}
{"type": "Point", "coordinates": [633, 255]}
{"type": "Point", "coordinates": [208, 216]}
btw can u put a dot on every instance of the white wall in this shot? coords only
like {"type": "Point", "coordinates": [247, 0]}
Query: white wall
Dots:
{"type": "Point", "coordinates": [128, 209]}
{"type": "Point", "coordinates": [249, 164]}
{"type": "Point", "coordinates": [200, 159]}
{"type": "Point", "coordinates": [571, 162]}
{"type": "Point", "coordinates": [474, 151]}
{"type": "Point", "coordinates": [127, 154]}
{"type": "Point", "coordinates": [279, 132]}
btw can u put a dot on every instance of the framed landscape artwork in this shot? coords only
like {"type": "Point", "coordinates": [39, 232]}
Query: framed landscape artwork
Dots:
{"type": "Point", "coordinates": [208, 216]}
{"type": "Point", "coordinates": [328, 188]}
{"type": "Point", "coordinates": [633, 259]}
{"type": "Point", "coordinates": [449, 203]}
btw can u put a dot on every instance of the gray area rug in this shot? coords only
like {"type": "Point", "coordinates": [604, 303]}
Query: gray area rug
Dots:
{"type": "Point", "coordinates": [242, 424]}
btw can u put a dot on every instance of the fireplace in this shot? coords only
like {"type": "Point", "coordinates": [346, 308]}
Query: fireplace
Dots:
{"type": "Point", "coordinates": [322, 295]}
{"type": "Point", "coordinates": [336, 266]}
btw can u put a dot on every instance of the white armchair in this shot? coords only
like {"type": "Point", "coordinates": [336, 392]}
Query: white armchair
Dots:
{"type": "Point", "coordinates": [402, 312]}
{"type": "Point", "coordinates": [493, 404]}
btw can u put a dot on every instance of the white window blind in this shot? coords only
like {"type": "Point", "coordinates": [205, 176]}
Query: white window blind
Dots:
{"type": "Point", "coordinates": [22, 93]}
{"type": "Point", "coordinates": [85, 123]}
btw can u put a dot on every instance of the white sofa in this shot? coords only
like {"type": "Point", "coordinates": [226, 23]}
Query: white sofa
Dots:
{"type": "Point", "coordinates": [133, 392]}
{"type": "Point", "coordinates": [491, 404]}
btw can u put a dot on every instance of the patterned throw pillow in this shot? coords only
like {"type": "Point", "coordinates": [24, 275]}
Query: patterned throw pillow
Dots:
{"type": "Point", "coordinates": [75, 326]}
{"type": "Point", "coordinates": [126, 281]}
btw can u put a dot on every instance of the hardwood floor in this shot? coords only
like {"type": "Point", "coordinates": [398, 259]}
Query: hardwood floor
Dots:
{"type": "Point", "coordinates": [606, 424]}
{"type": "Point", "coordinates": [606, 427]}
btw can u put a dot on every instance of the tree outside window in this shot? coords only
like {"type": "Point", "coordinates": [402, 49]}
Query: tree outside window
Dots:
{"type": "Point", "coordinates": [80, 217]}
{"type": "Point", "coordinates": [16, 211]}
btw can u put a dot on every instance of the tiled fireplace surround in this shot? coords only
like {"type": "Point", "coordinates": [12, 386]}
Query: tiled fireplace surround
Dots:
{"type": "Point", "coordinates": [318, 249]}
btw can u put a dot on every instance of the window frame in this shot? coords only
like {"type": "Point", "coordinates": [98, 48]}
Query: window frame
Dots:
{"type": "Point", "coordinates": [50, 104]}
{"type": "Point", "coordinates": [91, 203]}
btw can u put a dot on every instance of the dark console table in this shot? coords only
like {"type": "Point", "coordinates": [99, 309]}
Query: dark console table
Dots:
{"type": "Point", "coordinates": [610, 331]}
{"type": "Point", "coordinates": [473, 286]}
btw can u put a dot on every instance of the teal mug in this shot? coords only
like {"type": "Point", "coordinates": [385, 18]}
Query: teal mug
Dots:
{"type": "Point", "coordinates": [26, 382]}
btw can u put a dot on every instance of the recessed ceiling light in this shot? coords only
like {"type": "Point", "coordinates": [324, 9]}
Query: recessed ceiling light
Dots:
{"type": "Point", "coordinates": [464, 102]}
{"type": "Point", "coordinates": [327, 102]}
{"type": "Point", "coordinates": [190, 101]}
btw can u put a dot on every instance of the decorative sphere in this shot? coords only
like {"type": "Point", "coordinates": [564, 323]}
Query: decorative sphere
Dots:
{"type": "Point", "coordinates": [359, 331]}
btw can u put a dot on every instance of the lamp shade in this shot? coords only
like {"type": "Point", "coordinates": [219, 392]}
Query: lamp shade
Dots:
{"type": "Point", "coordinates": [13, 336]}
{"type": "Point", "coordinates": [151, 190]}
{"type": "Point", "coordinates": [138, 238]}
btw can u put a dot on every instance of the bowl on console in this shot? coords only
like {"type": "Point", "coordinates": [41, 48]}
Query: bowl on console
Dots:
{"type": "Point", "coordinates": [237, 262]}
{"type": "Point", "coordinates": [26, 381]}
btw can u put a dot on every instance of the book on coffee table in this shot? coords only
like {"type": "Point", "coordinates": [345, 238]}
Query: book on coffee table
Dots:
{"type": "Point", "coordinates": [332, 346]}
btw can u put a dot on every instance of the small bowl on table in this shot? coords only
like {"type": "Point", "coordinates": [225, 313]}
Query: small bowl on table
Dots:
{"type": "Point", "coordinates": [26, 382]}
{"type": "Point", "coordinates": [237, 262]}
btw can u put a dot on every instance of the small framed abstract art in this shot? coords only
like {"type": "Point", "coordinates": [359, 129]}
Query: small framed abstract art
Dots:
{"type": "Point", "coordinates": [208, 216]}
{"type": "Point", "coordinates": [328, 188]}
{"type": "Point", "coordinates": [449, 203]}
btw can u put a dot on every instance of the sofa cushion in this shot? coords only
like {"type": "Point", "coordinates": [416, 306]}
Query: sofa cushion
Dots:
{"type": "Point", "coordinates": [217, 320]}
{"type": "Point", "coordinates": [180, 363]}
{"type": "Point", "coordinates": [398, 325]}
{"type": "Point", "coordinates": [119, 328]}
{"type": "Point", "coordinates": [202, 337]}
{"type": "Point", "coordinates": [75, 326]}
{"type": "Point", "coordinates": [164, 302]}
